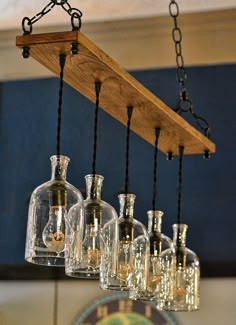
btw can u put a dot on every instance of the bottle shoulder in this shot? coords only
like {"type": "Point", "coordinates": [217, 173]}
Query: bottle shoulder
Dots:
{"type": "Point", "coordinates": [190, 256]}
{"type": "Point", "coordinates": [42, 190]}
{"type": "Point", "coordinates": [161, 238]}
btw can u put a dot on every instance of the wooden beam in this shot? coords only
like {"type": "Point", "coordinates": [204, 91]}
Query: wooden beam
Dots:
{"type": "Point", "coordinates": [119, 90]}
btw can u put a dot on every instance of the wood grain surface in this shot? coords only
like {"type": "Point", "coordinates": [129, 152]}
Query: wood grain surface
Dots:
{"type": "Point", "coordinates": [119, 90]}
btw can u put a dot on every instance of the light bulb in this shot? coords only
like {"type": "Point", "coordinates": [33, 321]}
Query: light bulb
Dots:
{"type": "Point", "coordinates": [91, 246]}
{"type": "Point", "coordinates": [125, 260]}
{"type": "Point", "coordinates": [181, 285]}
{"type": "Point", "coordinates": [54, 231]}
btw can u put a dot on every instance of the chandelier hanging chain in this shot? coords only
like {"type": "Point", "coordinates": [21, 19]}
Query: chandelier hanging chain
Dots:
{"type": "Point", "coordinates": [62, 61]}
{"type": "Point", "coordinates": [97, 86]}
{"type": "Point", "coordinates": [184, 103]}
{"type": "Point", "coordinates": [180, 184]}
{"type": "Point", "coordinates": [76, 14]}
{"type": "Point", "coordinates": [154, 196]}
{"type": "Point", "coordinates": [129, 114]}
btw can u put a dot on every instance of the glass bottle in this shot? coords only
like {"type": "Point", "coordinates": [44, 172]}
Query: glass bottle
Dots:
{"type": "Point", "coordinates": [180, 275]}
{"type": "Point", "coordinates": [158, 243]}
{"type": "Point", "coordinates": [124, 261]}
{"type": "Point", "coordinates": [84, 255]}
{"type": "Point", "coordinates": [49, 204]}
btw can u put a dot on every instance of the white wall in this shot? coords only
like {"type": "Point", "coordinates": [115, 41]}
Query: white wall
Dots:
{"type": "Point", "coordinates": [31, 302]}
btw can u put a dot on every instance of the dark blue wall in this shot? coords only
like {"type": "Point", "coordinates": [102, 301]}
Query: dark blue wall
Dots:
{"type": "Point", "coordinates": [28, 136]}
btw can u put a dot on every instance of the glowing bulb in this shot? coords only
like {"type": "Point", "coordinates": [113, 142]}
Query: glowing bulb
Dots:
{"type": "Point", "coordinates": [54, 231]}
{"type": "Point", "coordinates": [180, 290]}
{"type": "Point", "coordinates": [125, 260]}
{"type": "Point", "coordinates": [153, 281]}
{"type": "Point", "coordinates": [154, 277]}
{"type": "Point", "coordinates": [91, 246]}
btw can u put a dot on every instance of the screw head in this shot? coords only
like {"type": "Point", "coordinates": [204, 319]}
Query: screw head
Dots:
{"type": "Point", "coordinates": [169, 156]}
{"type": "Point", "coordinates": [26, 52]}
{"type": "Point", "coordinates": [206, 154]}
{"type": "Point", "coordinates": [74, 48]}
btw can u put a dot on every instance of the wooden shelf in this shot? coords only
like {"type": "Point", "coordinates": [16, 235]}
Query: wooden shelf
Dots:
{"type": "Point", "coordinates": [119, 90]}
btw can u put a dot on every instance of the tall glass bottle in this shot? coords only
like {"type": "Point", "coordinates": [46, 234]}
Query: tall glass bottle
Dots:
{"type": "Point", "coordinates": [49, 204]}
{"type": "Point", "coordinates": [180, 275]}
{"type": "Point", "coordinates": [84, 254]}
{"type": "Point", "coordinates": [124, 261]}
{"type": "Point", "coordinates": [158, 243]}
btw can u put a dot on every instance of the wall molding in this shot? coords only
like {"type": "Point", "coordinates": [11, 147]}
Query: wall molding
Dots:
{"type": "Point", "coordinates": [208, 38]}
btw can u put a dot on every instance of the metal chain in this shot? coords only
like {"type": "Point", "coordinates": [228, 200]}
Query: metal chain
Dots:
{"type": "Point", "coordinates": [129, 113]}
{"type": "Point", "coordinates": [76, 14]}
{"type": "Point", "coordinates": [184, 103]}
{"type": "Point", "coordinates": [154, 195]}
{"type": "Point", "coordinates": [97, 86]}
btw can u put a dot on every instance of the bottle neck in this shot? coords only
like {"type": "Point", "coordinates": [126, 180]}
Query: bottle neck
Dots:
{"type": "Point", "coordinates": [154, 221]}
{"type": "Point", "coordinates": [94, 186]}
{"type": "Point", "coordinates": [127, 205]}
{"type": "Point", "coordinates": [180, 231]}
{"type": "Point", "coordinates": [59, 167]}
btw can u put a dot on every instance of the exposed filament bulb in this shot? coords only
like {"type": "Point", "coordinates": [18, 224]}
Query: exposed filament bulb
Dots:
{"type": "Point", "coordinates": [91, 246]}
{"type": "Point", "coordinates": [54, 231]}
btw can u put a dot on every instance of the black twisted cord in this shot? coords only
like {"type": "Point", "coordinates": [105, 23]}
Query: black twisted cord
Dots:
{"type": "Point", "coordinates": [97, 85]}
{"type": "Point", "coordinates": [154, 192]}
{"type": "Point", "coordinates": [180, 183]}
{"type": "Point", "coordinates": [129, 113]}
{"type": "Point", "coordinates": [62, 61]}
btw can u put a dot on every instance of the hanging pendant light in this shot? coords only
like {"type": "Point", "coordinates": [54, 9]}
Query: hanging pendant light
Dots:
{"type": "Point", "coordinates": [180, 274]}
{"type": "Point", "coordinates": [158, 243]}
{"type": "Point", "coordinates": [125, 241]}
{"type": "Point", "coordinates": [49, 204]}
{"type": "Point", "coordinates": [85, 261]}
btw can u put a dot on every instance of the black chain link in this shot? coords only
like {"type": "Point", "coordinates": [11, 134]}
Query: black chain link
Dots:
{"type": "Point", "coordinates": [184, 103]}
{"type": "Point", "coordinates": [76, 14]}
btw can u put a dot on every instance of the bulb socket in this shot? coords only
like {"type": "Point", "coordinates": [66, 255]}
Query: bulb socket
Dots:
{"type": "Point", "coordinates": [93, 214]}
{"type": "Point", "coordinates": [58, 197]}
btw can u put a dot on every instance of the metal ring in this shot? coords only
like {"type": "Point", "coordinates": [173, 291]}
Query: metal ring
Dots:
{"type": "Point", "coordinates": [177, 34]}
{"type": "Point", "coordinates": [59, 2]}
{"type": "Point", "coordinates": [185, 105]}
{"type": "Point", "coordinates": [174, 9]}
{"type": "Point", "coordinates": [181, 75]}
{"type": "Point", "coordinates": [76, 11]}
{"type": "Point", "coordinates": [179, 60]}
{"type": "Point", "coordinates": [29, 24]}
{"type": "Point", "coordinates": [178, 48]}
{"type": "Point", "coordinates": [75, 16]}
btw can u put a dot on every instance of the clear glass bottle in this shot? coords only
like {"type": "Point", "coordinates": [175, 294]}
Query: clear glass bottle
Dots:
{"type": "Point", "coordinates": [158, 243]}
{"type": "Point", "coordinates": [49, 204]}
{"type": "Point", "coordinates": [84, 254]}
{"type": "Point", "coordinates": [124, 261]}
{"type": "Point", "coordinates": [180, 275]}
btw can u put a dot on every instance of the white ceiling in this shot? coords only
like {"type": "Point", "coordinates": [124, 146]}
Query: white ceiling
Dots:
{"type": "Point", "coordinates": [12, 11]}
